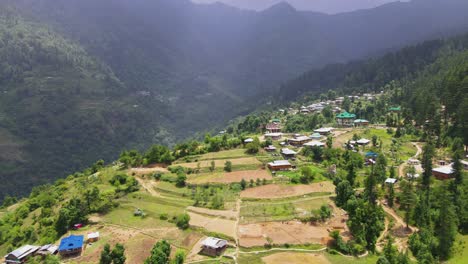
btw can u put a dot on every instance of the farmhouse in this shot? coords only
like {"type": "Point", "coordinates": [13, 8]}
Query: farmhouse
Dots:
{"type": "Point", "coordinates": [316, 136]}
{"type": "Point", "coordinates": [213, 246]}
{"type": "Point", "coordinates": [21, 254]}
{"type": "Point", "coordinates": [72, 245]}
{"type": "Point", "coordinates": [45, 250]}
{"type": "Point", "coordinates": [278, 165]}
{"type": "Point", "coordinates": [345, 119]}
{"type": "Point", "coordinates": [270, 148]}
{"type": "Point", "coordinates": [391, 181]}
{"type": "Point", "coordinates": [299, 141]}
{"type": "Point", "coordinates": [274, 136]}
{"type": "Point", "coordinates": [93, 237]}
{"type": "Point", "coordinates": [443, 173]}
{"type": "Point", "coordinates": [324, 131]}
{"type": "Point", "coordinates": [361, 123]}
{"type": "Point", "coordinates": [314, 144]}
{"type": "Point", "coordinates": [287, 153]}
{"type": "Point", "coordinates": [363, 141]}
{"type": "Point", "coordinates": [273, 128]}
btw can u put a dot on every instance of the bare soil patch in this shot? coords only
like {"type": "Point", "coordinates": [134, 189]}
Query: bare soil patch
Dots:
{"type": "Point", "coordinates": [280, 191]}
{"type": "Point", "coordinates": [216, 213]}
{"type": "Point", "coordinates": [291, 232]}
{"type": "Point", "coordinates": [295, 258]}
{"type": "Point", "coordinates": [143, 171]}
{"type": "Point", "coordinates": [219, 225]}
{"type": "Point", "coordinates": [220, 163]}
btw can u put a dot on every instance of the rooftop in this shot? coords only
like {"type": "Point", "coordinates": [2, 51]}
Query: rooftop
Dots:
{"type": "Point", "coordinates": [391, 180]}
{"type": "Point", "coordinates": [280, 163]}
{"type": "Point", "coordinates": [24, 251]}
{"type": "Point", "coordinates": [346, 115]}
{"type": "Point", "coordinates": [314, 144]}
{"type": "Point", "coordinates": [71, 242]}
{"type": "Point", "coordinates": [301, 138]}
{"type": "Point", "coordinates": [444, 169]}
{"type": "Point", "coordinates": [214, 242]}
{"type": "Point", "coordinates": [287, 151]}
{"type": "Point", "coordinates": [361, 121]}
{"type": "Point", "coordinates": [316, 135]}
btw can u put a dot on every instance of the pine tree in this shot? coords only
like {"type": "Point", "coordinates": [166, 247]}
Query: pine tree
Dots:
{"type": "Point", "coordinates": [407, 199]}
{"type": "Point", "coordinates": [446, 228]}
{"type": "Point", "coordinates": [106, 255]}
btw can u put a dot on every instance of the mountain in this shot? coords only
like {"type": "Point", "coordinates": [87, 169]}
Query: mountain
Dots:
{"type": "Point", "coordinates": [324, 6]}
{"type": "Point", "coordinates": [82, 79]}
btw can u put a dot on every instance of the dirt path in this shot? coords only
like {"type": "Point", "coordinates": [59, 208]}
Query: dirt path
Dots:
{"type": "Point", "coordinates": [149, 186]}
{"type": "Point", "coordinates": [401, 168]}
{"type": "Point", "coordinates": [238, 208]}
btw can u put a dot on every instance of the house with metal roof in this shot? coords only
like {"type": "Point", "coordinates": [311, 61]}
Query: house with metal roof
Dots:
{"type": "Point", "coordinates": [314, 143]}
{"type": "Point", "coordinates": [21, 255]}
{"type": "Point", "coordinates": [279, 165]}
{"type": "Point", "coordinates": [363, 141]}
{"type": "Point", "coordinates": [287, 153]}
{"type": "Point", "coordinates": [316, 136]}
{"type": "Point", "coordinates": [443, 173]}
{"type": "Point", "coordinates": [71, 245]}
{"type": "Point", "coordinates": [213, 246]}
{"type": "Point", "coordinates": [299, 141]}
{"type": "Point", "coordinates": [395, 109]}
{"type": "Point", "coordinates": [361, 123]}
{"type": "Point", "coordinates": [45, 250]}
{"type": "Point", "coordinates": [345, 119]}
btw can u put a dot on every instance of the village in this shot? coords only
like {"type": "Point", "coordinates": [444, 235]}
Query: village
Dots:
{"type": "Point", "coordinates": [267, 206]}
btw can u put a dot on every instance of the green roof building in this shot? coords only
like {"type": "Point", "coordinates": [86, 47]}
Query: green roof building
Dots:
{"type": "Point", "coordinates": [345, 119]}
{"type": "Point", "coordinates": [395, 109]}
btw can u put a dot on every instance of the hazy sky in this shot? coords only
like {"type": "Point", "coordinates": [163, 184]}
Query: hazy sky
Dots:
{"type": "Point", "coordinates": [325, 6]}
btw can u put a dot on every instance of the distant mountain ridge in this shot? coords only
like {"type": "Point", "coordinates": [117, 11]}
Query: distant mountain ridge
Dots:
{"type": "Point", "coordinates": [170, 69]}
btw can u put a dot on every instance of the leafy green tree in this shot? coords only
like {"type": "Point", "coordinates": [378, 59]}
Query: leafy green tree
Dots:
{"type": "Point", "coordinates": [329, 142]}
{"type": "Point", "coordinates": [106, 255]}
{"type": "Point", "coordinates": [243, 184]}
{"type": "Point", "coordinates": [351, 176]}
{"type": "Point", "coordinates": [228, 166]}
{"type": "Point", "coordinates": [118, 254]}
{"type": "Point", "coordinates": [179, 257]}
{"type": "Point", "coordinates": [307, 175]}
{"type": "Point", "coordinates": [182, 221]}
{"type": "Point", "coordinates": [180, 180]}
{"type": "Point", "coordinates": [344, 191]}
{"type": "Point", "coordinates": [325, 212]}
{"type": "Point", "coordinates": [160, 253]}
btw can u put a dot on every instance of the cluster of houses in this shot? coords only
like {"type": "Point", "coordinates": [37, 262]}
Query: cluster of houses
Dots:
{"type": "Point", "coordinates": [70, 246]}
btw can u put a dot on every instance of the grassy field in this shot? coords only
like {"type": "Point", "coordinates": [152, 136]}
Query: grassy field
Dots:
{"type": "Point", "coordinates": [225, 154]}
{"type": "Point", "coordinates": [461, 252]}
{"type": "Point", "coordinates": [278, 210]}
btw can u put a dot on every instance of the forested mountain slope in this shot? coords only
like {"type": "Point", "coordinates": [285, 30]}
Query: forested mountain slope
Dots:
{"type": "Point", "coordinates": [83, 79]}
{"type": "Point", "coordinates": [429, 76]}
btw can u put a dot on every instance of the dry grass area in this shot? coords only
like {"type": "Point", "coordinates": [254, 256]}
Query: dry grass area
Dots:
{"type": "Point", "coordinates": [281, 191]}
{"type": "Point", "coordinates": [292, 232]}
{"type": "Point", "coordinates": [215, 213]}
{"type": "Point", "coordinates": [219, 225]}
{"type": "Point", "coordinates": [221, 162]}
{"type": "Point", "coordinates": [144, 171]}
{"type": "Point", "coordinates": [230, 177]}
{"type": "Point", "coordinates": [295, 258]}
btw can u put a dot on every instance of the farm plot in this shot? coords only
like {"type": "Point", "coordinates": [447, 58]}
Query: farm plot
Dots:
{"type": "Point", "coordinates": [219, 163]}
{"type": "Point", "coordinates": [273, 191]}
{"type": "Point", "coordinates": [213, 224]}
{"type": "Point", "coordinates": [296, 258]}
{"type": "Point", "coordinates": [292, 232]}
{"type": "Point", "coordinates": [262, 211]}
{"type": "Point", "coordinates": [144, 171]}
{"type": "Point", "coordinates": [230, 177]}
{"type": "Point", "coordinates": [228, 214]}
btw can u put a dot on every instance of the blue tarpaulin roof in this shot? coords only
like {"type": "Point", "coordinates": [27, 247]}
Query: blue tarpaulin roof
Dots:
{"type": "Point", "coordinates": [371, 154]}
{"type": "Point", "coordinates": [71, 242]}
